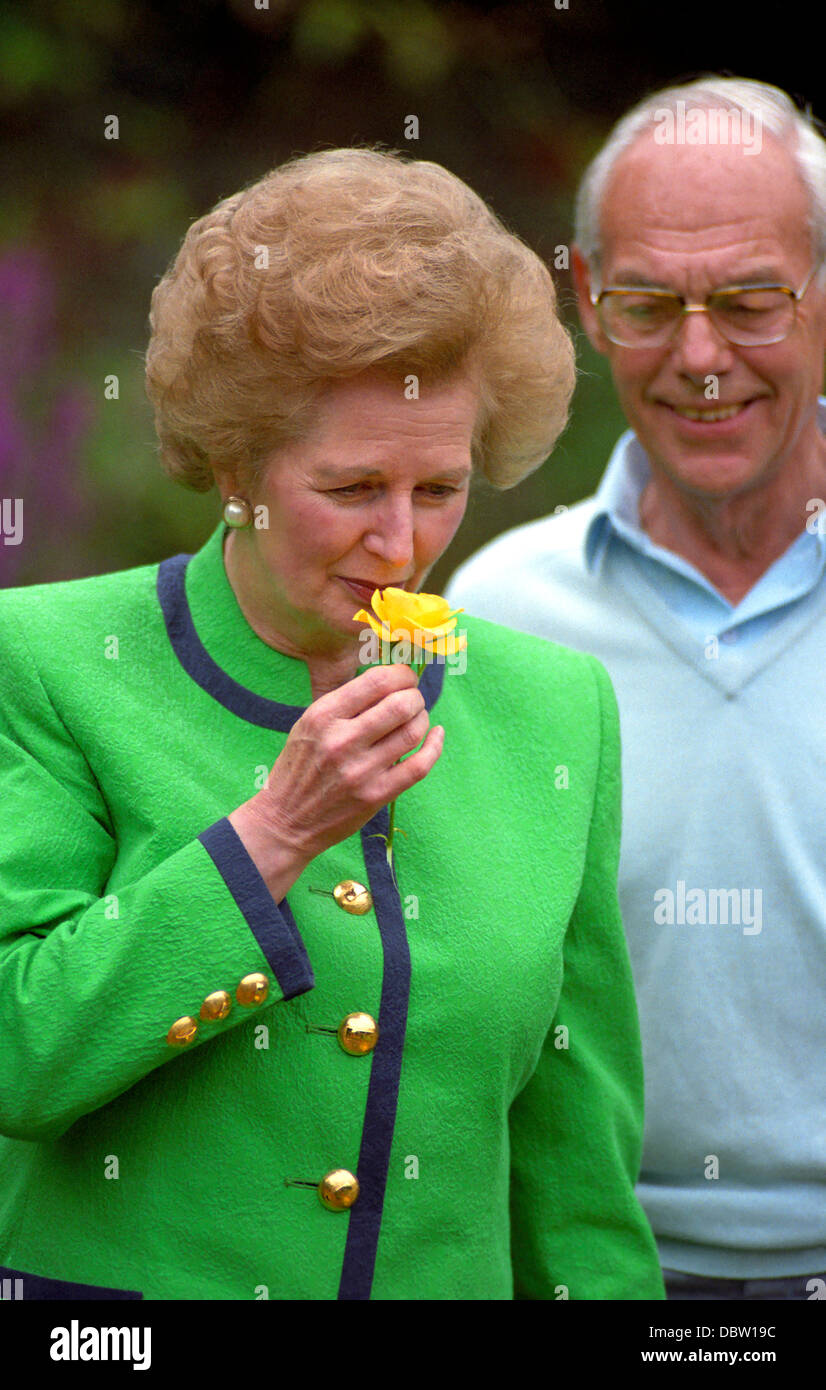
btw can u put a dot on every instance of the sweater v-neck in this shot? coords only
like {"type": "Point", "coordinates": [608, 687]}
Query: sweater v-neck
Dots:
{"type": "Point", "coordinates": [732, 671]}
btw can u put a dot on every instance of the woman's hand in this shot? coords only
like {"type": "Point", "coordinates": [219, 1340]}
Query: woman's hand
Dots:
{"type": "Point", "coordinates": [337, 768]}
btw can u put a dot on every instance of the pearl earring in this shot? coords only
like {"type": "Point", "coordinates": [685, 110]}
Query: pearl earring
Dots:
{"type": "Point", "coordinates": [237, 512]}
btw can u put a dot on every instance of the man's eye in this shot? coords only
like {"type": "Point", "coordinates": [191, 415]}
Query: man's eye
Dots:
{"type": "Point", "coordinates": [644, 310]}
{"type": "Point", "coordinates": [754, 302]}
{"type": "Point", "coordinates": [352, 490]}
{"type": "Point", "coordinates": [440, 489]}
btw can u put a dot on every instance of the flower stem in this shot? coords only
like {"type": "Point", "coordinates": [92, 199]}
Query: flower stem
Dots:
{"type": "Point", "coordinates": [390, 831]}
{"type": "Point", "coordinates": [418, 667]}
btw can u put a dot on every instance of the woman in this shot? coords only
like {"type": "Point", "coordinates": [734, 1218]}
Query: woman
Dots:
{"type": "Point", "coordinates": [242, 1056]}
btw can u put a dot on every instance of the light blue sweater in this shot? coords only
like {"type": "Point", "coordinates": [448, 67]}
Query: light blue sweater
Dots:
{"type": "Point", "coordinates": [723, 870]}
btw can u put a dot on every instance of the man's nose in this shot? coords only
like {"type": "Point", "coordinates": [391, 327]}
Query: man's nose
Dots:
{"type": "Point", "coordinates": [698, 347]}
{"type": "Point", "coordinates": [391, 532]}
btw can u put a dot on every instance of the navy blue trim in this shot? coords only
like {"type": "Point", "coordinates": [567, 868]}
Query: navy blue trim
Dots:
{"type": "Point", "coordinates": [197, 662]}
{"type": "Point", "coordinates": [273, 927]}
{"type": "Point", "coordinates": [37, 1286]}
{"type": "Point", "coordinates": [430, 682]}
{"type": "Point", "coordinates": [288, 957]}
{"type": "Point", "coordinates": [383, 1091]}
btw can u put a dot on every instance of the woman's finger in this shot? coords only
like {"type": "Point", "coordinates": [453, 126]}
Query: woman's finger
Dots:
{"type": "Point", "coordinates": [413, 769]}
{"type": "Point", "coordinates": [399, 742]}
{"type": "Point", "coordinates": [363, 691]}
{"type": "Point", "coordinates": [394, 712]}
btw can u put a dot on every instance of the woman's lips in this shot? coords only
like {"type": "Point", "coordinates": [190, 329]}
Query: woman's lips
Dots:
{"type": "Point", "coordinates": [364, 592]}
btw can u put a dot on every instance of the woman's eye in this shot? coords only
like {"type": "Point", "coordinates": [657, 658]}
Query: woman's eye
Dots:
{"type": "Point", "coordinates": [355, 489]}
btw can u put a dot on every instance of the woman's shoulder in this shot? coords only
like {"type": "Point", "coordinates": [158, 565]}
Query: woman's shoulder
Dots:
{"type": "Point", "coordinates": [60, 636]}
{"type": "Point", "coordinates": [522, 695]}
{"type": "Point", "coordinates": [517, 672]}
{"type": "Point", "coordinates": [509, 651]}
{"type": "Point", "coordinates": [56, 609]}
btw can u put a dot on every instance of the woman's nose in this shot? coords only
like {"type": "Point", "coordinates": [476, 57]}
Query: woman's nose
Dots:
{"type": "Point", "coordinates": [391, 534]}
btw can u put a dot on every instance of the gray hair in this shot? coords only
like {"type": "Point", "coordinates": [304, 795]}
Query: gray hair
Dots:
{"type": "Point", "coordinates": [768, 106]}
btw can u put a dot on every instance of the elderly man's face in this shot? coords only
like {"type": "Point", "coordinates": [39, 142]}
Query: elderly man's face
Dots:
{"type": "Point", "coordinates": [371, 499]}
{"type": "Point", "coordinates": [694, 219]}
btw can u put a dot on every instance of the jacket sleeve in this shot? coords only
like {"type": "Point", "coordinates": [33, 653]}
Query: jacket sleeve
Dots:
{"type": "Point", "coordinates": [578, 1230]}
{"type": "Point", "coordinates": [91, 981]}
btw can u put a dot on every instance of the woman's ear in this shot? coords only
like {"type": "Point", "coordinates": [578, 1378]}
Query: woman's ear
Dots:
{"type": "Point", "coordinates": [229, 482]}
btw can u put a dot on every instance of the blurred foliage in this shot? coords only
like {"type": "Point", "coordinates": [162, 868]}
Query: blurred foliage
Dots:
{"type": "Point", "coordinates": [209, 94]}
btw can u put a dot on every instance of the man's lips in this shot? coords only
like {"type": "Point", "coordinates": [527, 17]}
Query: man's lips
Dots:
{"type": "Point", "coordinates": [706, 419]}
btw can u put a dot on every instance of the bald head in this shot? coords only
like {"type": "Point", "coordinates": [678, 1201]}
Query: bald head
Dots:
{"type": "Point", "coordinates": [695, 200]}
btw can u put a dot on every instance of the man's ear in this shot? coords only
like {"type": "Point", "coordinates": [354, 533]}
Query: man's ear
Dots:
{"type": "Point", "coordinates": [583, 283]}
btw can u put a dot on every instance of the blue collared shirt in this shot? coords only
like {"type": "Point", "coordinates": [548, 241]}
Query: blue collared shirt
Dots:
{"type": "Point", "coordinates": [691, 597]}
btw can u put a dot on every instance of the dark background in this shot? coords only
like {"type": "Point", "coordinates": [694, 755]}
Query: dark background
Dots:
{"type": "Point", "coordinates": [514, 98]}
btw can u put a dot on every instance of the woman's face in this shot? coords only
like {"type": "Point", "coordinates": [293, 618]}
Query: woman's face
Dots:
{"type": "Point", "coordinates": [372, 498]}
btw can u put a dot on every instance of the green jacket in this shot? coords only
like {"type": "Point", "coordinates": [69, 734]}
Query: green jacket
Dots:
{"type": "Point", "coordinates": [495, 1128]}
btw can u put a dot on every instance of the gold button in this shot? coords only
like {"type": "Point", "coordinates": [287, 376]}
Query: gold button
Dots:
{"type": "Point", "coordinates": [182, 1032]}
{"type": "Point", "coordinates": [353, 897]}
{"type": "Point", "coordinates": [338, 1189]}
{"type": "Point", "coordinates": [253, 989]}
{"type": "Point", "coordinates": [216, 1005]}
{"type": "Point", "coordinates": [358, 1033]}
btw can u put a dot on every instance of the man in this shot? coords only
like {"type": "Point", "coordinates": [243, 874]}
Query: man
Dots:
{"type": "Point", "coordinates": [696, 574]}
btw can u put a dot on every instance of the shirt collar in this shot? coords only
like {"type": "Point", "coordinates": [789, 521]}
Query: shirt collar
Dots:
{"type": "Point", "coordinates": [617, 499]}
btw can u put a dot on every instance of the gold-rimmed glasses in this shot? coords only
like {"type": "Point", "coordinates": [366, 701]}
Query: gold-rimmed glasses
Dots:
{"type": "Point", "coordinates": [746, 315]}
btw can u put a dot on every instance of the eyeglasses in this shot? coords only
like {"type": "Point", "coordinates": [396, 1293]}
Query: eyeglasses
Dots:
{"type": "Point", "coordinates": [747, 315]}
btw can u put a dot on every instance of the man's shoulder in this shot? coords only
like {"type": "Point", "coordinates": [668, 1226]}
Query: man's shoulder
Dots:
{"type": "Point", "coordinates": [503, 574]}
{"type": "Point", "coordinates": [561, 533]}
{"type": "Point", "coordinates": [504, 644]}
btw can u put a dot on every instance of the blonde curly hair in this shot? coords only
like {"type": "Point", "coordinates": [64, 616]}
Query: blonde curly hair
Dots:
{"type": "Point", "coordinates": [334, 264]}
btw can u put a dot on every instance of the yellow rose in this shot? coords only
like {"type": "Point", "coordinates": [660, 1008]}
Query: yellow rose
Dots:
{"type": "Point", "coordinates": [426, 620]}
